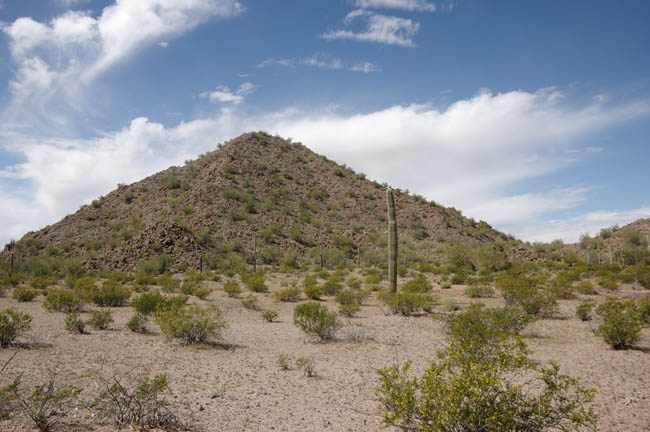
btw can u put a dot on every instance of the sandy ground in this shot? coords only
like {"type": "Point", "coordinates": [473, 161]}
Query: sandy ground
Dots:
{"type": "Point", "coordinates": [239, 386]}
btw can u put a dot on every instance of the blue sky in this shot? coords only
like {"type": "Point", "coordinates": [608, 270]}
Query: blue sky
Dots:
{"type": "Point", "coordinates": [532, 116]}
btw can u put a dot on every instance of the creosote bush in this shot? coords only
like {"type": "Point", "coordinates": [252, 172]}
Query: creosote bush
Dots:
{"type": "Point", "coordinates": [269, 315]}
{"type": "Point", "coordinates": [74, 324]}
{"type": "Point", "coordinates": [142, 403]}
{"type": "Point", "coordinates": [406, 303]}
{"type": "Point", "coordinates": [12, 324]}
{"type": "Point", "coordinates": [111, 293]}
{"type": "Point", "coordinates": [470, 387]}
{"type": "Point", "coordinates": [290, 294]}
{"type": "Point", "coordinates": [192, 324]}
{"type": "Point", "coordinates": [23, 293]}
{"type": "Point", "coordinates": [315, 319]}
{"type": "Point", "coordinates": [63, 300]}
{"type": "Point", "coordinates": [622, 323]}
{"type": "Point", "coordinates": [137, 323]}
{"type": "Point", "coordinates": [232, 288]}
{"type": "Point", "coordinates": [100, 319]}
{"type": "Point", "coordinates": [584, 309]}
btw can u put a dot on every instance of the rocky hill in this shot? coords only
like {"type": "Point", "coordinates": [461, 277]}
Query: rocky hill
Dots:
{"type": "Point", "coordinates": [624, 245]}
{"type": "Point", "coordinates": [255, 196]}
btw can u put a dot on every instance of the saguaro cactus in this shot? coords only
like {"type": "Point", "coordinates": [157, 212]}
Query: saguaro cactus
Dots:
{"type": "Point", "coordinates": [392, 241]}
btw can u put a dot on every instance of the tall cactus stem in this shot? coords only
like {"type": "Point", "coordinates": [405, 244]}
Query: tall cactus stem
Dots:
{"type": "Point", "coordinates": [392, 241]}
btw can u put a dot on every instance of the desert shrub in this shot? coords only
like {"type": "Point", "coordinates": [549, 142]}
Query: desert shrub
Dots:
{"type": "Point", "coordinates": [42, 282]}
{"type": "Point", "coordinates": [232, 288]}
{"type": "Point", "coordinates": [141, 404]}
{"type": "Point", "coordinates": [12, 324]}
{"type": "Point", "coordinates": [45, 404]}
{"type": "Point", "coordinates": [137, 323]}
{"type": "Point", "coordinates": [372, 279]}
{"type": "Point", "coordinates": [192, 324]}
{"type": "Point", "coordinates": [418, 284]}
{"type": "Point", "coordinates": [283, 362]}
{"type": "Point", "coordinates": [313, 291]}
{"type": "Point", "coordinates": [74, 324]}
{"type": "Point", "coordinates": [622, 323]}
{"type": "Point", "coordinates": [350, 296]}
{"type": "Point", "coordinates": [269, 315]}
{"type": "Point", "coordinates": [353, 282]}
{"type": "Point", "coordinates": [24, 294]}
{"type": "Point", "coordinates": [470, 388]}
{"type": "Point", "coordinates": [307, 366]}
{"type": "Point", "coordinates": [608, 282]}
{"type": "Point", "coordinates": [479, 291]}
{"type": "Point", "coordinates": [584, 309]}
{"type": "Point", "coordinates": [406, 303]}
{"type": "Point", "coordinates": [156, 265]}
{"type": "Point", "coordinates": [458, 278]}
{"type": "Point", "coordinates": [445, 285]}
{"type": "Point", "coordinates": [167, 282]}
{"type": "Point", "coordinates": [331, 287]}
{"type": "Point", "coordinates": [202, 291]}
{"type": "Point", "coordinates": [290, 294]}
{"type": "Point", "coordinates": [100, 320]}
{"type": "Point", "coordinates": [143, 279]}
{"type": "Point", "coordinates": [250, 302]}
{"type": "Point", "coordinates": [643, 305]}
{"type": "Point", "coordinates": [148, 303]}
{"type": "Point", "coordinates": [586, 287]}
{"type": "Point", "coordinates": [111, 293]}
{"type": "Point", "coordinates": [349, 310]}
{"type": "Point", "coordinates": [450, 305]}
{"type": "Point", "coordinates": [256, 283]}
{"type": "Point", "coordinates": [188, 287]}
{"type": "Point", "coordinates": [561, 288]}
{"type": "Point", "coordinates": [522, 290]}
{"type": "Point", "coordinates": [63, 300]}
{"type": "Point", "coordinates": [315, 319]}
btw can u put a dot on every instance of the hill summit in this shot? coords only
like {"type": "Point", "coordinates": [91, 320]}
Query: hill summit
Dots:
{"type": "Point", "coordinates": [255, 198]}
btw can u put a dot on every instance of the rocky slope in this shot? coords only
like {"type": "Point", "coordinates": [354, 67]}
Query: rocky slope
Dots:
{"type": "Point", "coordinates": [254, 193]}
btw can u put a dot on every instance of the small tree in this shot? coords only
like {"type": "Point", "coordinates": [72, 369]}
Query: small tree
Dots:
{"type": "Point", "coordinates": [622, 323]}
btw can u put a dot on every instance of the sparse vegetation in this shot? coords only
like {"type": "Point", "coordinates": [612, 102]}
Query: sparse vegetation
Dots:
{"type": "Point", "coordinates": [12, 324]}
{"type": "Point", "coordinates": [192, 324]}
{"type": "Point", "coordinates": [315, 319]}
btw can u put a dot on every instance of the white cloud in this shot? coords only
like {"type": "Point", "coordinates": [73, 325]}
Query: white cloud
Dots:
{"type": "Point", "coordinates": [591, 223]}
{"type": "Point", "coordinates": [409, 5]}
{"type": "Point", "coordinates": [379, 28]}
{"type": "Point", "coordinates": [471, 155]}
{"type": "Point", "coordinates": [70, 3]}
{"type": "Point", "coordinates": [163, 44]}
{"type": "Point", "coordinates": [224, 95]}
{"type": "Point", "coordinates": [54, 61]}
{"type": "Point", "coordinates": [322, 62]}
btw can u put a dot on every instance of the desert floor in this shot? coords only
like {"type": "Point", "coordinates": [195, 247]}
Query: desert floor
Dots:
{"type": "Point", "coordinates": [238, 385]}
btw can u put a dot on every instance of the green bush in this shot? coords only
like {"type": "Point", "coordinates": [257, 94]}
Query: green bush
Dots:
{"type": "Point", "coordinates": [313, 292]}
{"type": "Point", "coordinates": [12, 324]}
{"type": "Point", "coordinates": [353, 282]}
{"type": "Point", "coordinates": [167, 282]}
{"type": "Point", "coordinates": [137, 323]}
{"type": "Point", "coordinates": [24, 294]}
{"type": "Point", "coordinates": [269, 315]}
{"type": "Point", "coordinates": [622, 323]}
{"type": "Point", "coordinates": [470, 387]}
{"type": "Point", "coordinates": [608, 282]}
{"type": "Point", "coordinates": [417, 285]}
{"type": "Point", "coordinates": [192, 324]}
{"type": "Point", "coordinates": [584, 309]}
{"type": "Point", "coordinates": [202, 291]}
{"type": "Point", "coordinates": [232, 288]}
{"type": "Point", "coordinates": [63, 300]}
{"type": "Point", "coordinates": [100, 320]}
{"type": "Point", "coordinates": [250, 302]}
{"type": "Point", "coordinates": [445, 285]}
{"type": "Point", "coordinates": [331, 287]}
{"type": "Point", "coordinates": [349, 309]}
{"type": "Point", "coordinates": [522, 290]}
{"type": "Point", "coordinates": [256, 283]}
{"type": "Point", "coordinates": [406, 303]}
{"type": "Point", "coordinates": [586, 287]}
{"type": "Point", "coordinates": [139, 404]}
{"type": "Point", "coordinates": [110, 294]}
{"type": "Point", "coordinates": [291, 294]}
{"type": "Point", "coordinates": [74, 324]}
{"type": "Point", "coordinates": [479, 291]}
{"type": "Point", "coordinates": [148, 303]}
{"type": "Point", "coordinates": [188, 287]}
{"type": "Point", "coordinates": [315, 319]}
{"type": "Point", "coordinates": [643, 306]}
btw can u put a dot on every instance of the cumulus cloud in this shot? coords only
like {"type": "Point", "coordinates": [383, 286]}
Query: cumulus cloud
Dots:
{"type": "Point", "coordinates": [54, 60]}
{"type": "Point", "coordinates": [390, 30]}
{"type": "Point", "coordinates": [408, 5]}
{"type": "Point", "coordinates": [471, 154]}
{"type": "Point", "coordinates": [224, 95]}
